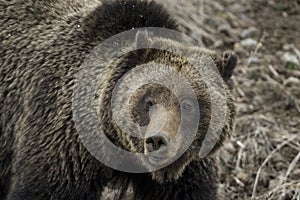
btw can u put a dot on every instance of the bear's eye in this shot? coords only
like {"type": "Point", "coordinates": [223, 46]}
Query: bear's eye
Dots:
{"type": "Point", "coordinates": [187, 106]}
{"type": "Point", "coordinates": [148, 104]}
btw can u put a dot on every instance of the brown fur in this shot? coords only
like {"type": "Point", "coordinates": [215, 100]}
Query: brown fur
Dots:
{"type": "Point", "coordinates": [43, 43]}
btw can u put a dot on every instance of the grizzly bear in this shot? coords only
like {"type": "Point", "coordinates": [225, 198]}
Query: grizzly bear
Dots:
{"type": "Point", "coordinates": [43, 45]}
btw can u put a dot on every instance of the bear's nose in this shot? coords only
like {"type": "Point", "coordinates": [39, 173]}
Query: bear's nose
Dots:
{"type": "Point", "coordinates": [157, 141]}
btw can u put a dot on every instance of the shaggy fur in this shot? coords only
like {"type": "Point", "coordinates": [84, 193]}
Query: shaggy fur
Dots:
{"type": "Point", "coordinates": [43, 43]}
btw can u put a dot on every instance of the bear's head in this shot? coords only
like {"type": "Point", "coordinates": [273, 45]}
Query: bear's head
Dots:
{"type": "Point", "coordinates": [166, 104]}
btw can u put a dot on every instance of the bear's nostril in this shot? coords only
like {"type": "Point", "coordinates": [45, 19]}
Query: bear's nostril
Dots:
{"type": "Point", "coordinates": [157, 141]}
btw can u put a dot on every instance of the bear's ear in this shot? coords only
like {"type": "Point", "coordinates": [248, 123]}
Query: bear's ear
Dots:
{"type": "Point", "coordinates": [226, 64]}
{"type": "Point", "coordinates": [142, 40]}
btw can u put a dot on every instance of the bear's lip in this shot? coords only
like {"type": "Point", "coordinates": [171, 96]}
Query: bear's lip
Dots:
{"type": "Point", "coordinates": [158, 160]}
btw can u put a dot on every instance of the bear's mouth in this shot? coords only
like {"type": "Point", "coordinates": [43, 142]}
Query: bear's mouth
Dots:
{"type": "Point", "coordinates": [158, 160]}
{"type": "Point", "coordinates": [163, 157]}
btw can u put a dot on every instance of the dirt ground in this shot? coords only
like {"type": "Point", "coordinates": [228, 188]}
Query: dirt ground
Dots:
{"type": "Point", "coordinates": [262, 159]}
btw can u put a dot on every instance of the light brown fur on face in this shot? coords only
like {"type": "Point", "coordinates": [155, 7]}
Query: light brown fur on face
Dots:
{"type": "Point", "coordinates": [169, 109]}
{"type": "Point", "coordinates": [157, 108]}
{"type": "Point", "coordinates": [163, 119]}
